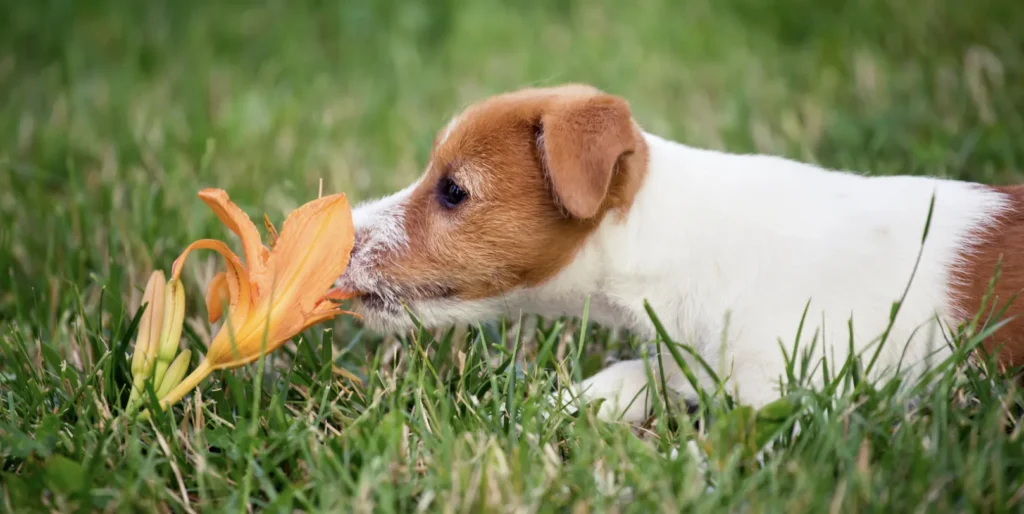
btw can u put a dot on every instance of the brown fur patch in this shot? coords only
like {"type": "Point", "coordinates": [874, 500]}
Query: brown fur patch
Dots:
{"type": "Point", "coordinates": [1004, 241]}
{"type": "Point", "coordinates": [583, 140]}
{"type": "Point", "coordinates": [521, 157]}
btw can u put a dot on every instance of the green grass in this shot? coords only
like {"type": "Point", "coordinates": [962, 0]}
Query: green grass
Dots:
{"type": "Point", "coordinates": [115, 113]}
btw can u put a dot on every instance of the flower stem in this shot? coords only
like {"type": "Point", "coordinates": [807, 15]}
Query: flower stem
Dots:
{"type": "Point", "coordinates": [135, 397]}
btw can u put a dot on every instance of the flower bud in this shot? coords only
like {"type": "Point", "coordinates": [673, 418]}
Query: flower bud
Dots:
{"type": "Point", "coordinates": [148, 336]}
{"type": "Point", "coordinates": [175, 372]}
{"type": "Point", "coordinates": [170, 337]}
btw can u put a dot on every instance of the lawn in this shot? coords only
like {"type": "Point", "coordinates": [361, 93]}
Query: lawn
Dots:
{"type": "Point", "coordinates": [114, 113]}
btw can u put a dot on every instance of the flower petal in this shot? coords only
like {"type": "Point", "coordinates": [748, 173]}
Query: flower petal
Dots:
{"type": "Point", "coordinates": [237, 280]}
{"type": "Point", "coordinates": [338, 293]}
{"type": "Point", "coordinates": [325, 311]}
{"type": "Point", "coordinates": [311, 253]}
{"type": "Point", "coordinates": [217, 294]}
{"type": "Point", "coordinates": [238, 222]}
{"type": "Point", "coordinates": [233, 349]}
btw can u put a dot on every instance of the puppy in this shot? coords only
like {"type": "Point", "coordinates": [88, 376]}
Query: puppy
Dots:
{"type": "Point", "coordinates": [536, 200]}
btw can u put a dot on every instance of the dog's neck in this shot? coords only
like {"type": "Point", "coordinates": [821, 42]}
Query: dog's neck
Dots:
{"type": "Point", "coordinates": [639, 255]}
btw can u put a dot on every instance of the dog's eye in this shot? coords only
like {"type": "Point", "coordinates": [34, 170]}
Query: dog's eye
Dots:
{"type": "Point", "coordinates": [450, 192]}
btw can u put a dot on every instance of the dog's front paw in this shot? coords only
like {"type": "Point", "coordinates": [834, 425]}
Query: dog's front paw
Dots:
{"type": "Point", "coordinates": [619, 393]}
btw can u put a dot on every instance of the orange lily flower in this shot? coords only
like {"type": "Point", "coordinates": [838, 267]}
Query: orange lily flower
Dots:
{"type": "Point", "coordinates": [277, 292]}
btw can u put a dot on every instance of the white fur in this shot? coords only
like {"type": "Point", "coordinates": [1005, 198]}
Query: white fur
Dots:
{"type": "Point", "coordinates": [380, 231]}
{"type": "Point", "coordinates": [729, 249]}
{"type": "Point", "coordinates": [454, 122]}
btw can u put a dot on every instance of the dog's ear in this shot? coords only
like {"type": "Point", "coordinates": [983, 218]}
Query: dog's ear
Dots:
{"type": "Point", "coordinates": [581, 140]}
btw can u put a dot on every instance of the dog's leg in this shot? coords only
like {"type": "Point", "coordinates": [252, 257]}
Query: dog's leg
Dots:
{"type": "Point", "coordinates": [627, 393]}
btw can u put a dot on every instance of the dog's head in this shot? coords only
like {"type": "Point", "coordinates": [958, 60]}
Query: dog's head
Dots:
{"type": "Point", "coordinates": [514, 187]}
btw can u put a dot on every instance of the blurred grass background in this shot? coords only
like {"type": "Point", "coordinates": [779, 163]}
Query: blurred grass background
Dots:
{"type": "Point", "coordinates": [114, 113]}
